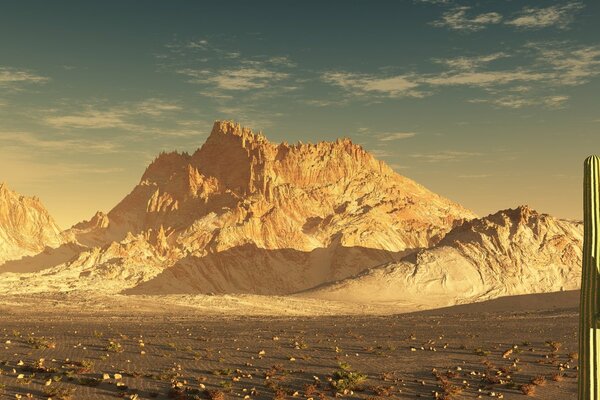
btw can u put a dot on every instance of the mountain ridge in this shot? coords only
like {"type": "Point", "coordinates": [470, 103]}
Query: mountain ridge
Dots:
{"type": "Point", "coordinates": [510, 252]}
{"type": "Point", "coordinates": [242, 215]}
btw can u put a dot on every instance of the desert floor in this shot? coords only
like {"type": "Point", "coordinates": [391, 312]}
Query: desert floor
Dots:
{"type": "Point", "coordinates": [57, 348]}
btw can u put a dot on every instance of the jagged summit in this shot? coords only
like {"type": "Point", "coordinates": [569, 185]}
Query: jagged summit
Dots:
{"type": "Point", "coordinates": [26, 227]}
{"type": "Point", "coordinates": [240, 174]}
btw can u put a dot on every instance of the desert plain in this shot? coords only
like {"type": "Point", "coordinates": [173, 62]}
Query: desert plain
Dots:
{"type": "Point", "coordinates": [216, 347]}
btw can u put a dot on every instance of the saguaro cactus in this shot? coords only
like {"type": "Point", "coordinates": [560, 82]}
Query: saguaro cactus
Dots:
{"type": "Point", "coordinates": [589, 312]}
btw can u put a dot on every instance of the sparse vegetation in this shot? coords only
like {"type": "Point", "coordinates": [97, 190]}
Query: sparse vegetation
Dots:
{"type": "Point", "coordinates": [40, 343]}
{"type": "Point", "coordinates": [59, 392]}
{"type": "Point", "coordinates": [114, 346]}
{"type": "Point", "coordinates": [538, 380]}
{"type": "Point", "coordinates": [527, 389]}
{"type": "Point", "coordinates": [344, 379]}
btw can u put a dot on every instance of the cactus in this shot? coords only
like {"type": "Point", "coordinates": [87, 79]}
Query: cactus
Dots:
{"type": "Point", "coordinates": [589, 314]}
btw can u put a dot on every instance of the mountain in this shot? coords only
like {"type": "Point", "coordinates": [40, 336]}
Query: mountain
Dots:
{"type": "Point", "coordinates": [242, 214]}
{"type": "Point", "coordinates": [26, 227]}
{"type": "Point", "coordinates": [515, 251]}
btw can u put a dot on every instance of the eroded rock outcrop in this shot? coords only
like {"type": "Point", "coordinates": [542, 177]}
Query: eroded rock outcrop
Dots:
{"type": "Point", "coordinates": [514, 251]}
{"type": "Point", "coordinates": [26, 227]}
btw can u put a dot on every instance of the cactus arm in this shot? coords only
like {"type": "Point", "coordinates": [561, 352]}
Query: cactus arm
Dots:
{"type": "Point", "coordinates": [589, 313]}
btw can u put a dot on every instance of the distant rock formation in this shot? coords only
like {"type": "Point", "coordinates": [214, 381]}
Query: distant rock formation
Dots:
{"type": "Point", "coordinates": [26, 227]}
{"type": "Point", "coordinates": [515, 251]}
{"type": "Point", "coordinates": [242, 214]}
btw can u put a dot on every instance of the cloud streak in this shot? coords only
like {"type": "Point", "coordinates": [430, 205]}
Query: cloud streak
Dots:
{"type": "Point", "coordinates": [545, 69]}
{"type": "Point", "coordinates": [461, 18]}
{"type": "Point", "coordinates": [240, 79]}
{"type": "Point", "coordinates": [560, 16]}
{"type": "Point", "coordinates": [388, 137]}
{"type": "Point", "coordinates": [12, 77]}
{"type": "Point", "coordinates": [444, 156]}
{"type": "Point", "coordinates": [120, 117]}
{"type": "Point", "coordinates": [44, 143]}
{"type": "Point", "coordinates": [392, 86]}
{"type": "Point", "coordinates": [458, 20]}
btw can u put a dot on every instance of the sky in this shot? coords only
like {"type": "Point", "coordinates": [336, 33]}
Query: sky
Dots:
{"type": "Point", "coordinates": [493, 104]}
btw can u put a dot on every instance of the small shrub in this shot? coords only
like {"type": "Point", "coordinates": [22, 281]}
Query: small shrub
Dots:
{"type": "Point", "coordinates": [538, 380]}
{"type": "Point", "coordinates": [528, 389]}
{"type": "Point", "coordinates": [59, 392]}
{"type": "Point", "coordinates": [40, 343]}
{"type": "Point", "coordinates": [555, 346]}
{"type": "Point", "coordinates": [344, 379]}
{"type": "Point", "coordinates": [114, 346]}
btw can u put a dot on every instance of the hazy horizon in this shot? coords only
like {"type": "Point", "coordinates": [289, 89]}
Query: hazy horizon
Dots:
{"type": "Point", "coordinates": [492, 105]}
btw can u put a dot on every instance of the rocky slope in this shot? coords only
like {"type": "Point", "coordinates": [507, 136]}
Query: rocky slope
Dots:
{"type": "Point", "coordinates": [242, 214]}
{"type": "Point", "coordinates": [511, 252]}
{"type": "Point", "coordinates": [26, 228]}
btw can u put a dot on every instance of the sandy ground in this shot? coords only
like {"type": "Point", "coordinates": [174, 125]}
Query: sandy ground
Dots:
{"type": "Point", "coordinates": [184, 348]}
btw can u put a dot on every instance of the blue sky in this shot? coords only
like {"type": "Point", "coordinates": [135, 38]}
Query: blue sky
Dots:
{"type": "Point", "coordinates": [492, 104]}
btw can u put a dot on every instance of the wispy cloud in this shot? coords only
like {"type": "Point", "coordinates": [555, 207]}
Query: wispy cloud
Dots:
{"type": "Point", "coordinates": [461, 18]}
{"type": "Point", "coordinates": [473, 62]}
{"type": "Point", "coordinates": [392, 86]}
{"type": "Point", "coordinates": [560, 16]}
{"type": "Point", "coordinates": [235, 79]}
{"type": "Point", "coordinates": [484, 78]}
{"type": "Point", "coordinates": [95, 119]}
{"type": "Point", "coordinates": [457, 19]}
{"type": "Point", "coordinates": [474, 176]}
{"type": "Point", "coordinates": [448, 155]}
{"type": "Point", "coordinates": [398, 166]}
{"type": "Point", "coordinates": [387, 137]}
{"type": "Point", "coordinates": [232, 80]}
{"type": "Point", "coordinates": [380, 153]}
{"type": "Point", "coordinates": [155, 107]}
{"type": "Point", "coordinates": [196, 61]}
{"type": "Point", "coordinates": [28, 169]}
{"type": "Point", "coordinates": [38, 142]}
{"type": "Point", "coordinates": [545, 68]}
{"type": "Point", "coordinates": [516, 101]}
{"type": "Point", "coordinates": [570, 65]}
{"type": "Point", "coordinates": [122, 116]}
{"type": "Point", "coordinates": [11, 77]}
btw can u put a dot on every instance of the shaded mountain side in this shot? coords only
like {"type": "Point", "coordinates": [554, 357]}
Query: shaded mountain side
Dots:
{"type": "Point", "coordinates": [141, 266]}
{"type": "Point", "coordinates": [248, 269]}
{"type": "Point", "coordinates": [26, 227]}
{"type": "Point", "coordinates": [516, 251]}
{"type": "Point", "coordinates": [48, 258]}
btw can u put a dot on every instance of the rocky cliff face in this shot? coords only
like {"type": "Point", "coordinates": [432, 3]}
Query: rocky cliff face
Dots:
{"type": "Point", "coordinates": [242, 214]}
{"type": "Point", "coordinates": [26, 228]}
{"type": "Point", "coordinates": [240, 189]}
{"type": "Point", "coordinates": [511, 252]}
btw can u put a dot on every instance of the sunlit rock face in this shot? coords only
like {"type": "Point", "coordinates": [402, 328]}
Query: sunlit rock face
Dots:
{"type": "Point", "coordinates": [26, 227]}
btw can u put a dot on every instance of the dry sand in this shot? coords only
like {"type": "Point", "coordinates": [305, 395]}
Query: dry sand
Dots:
{"type": "Point", "coordinates": [230, 345]}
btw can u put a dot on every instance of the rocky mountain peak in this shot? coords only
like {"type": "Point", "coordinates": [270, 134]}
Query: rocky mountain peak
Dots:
{"type": "Point", "coordinates": [26, 227]}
